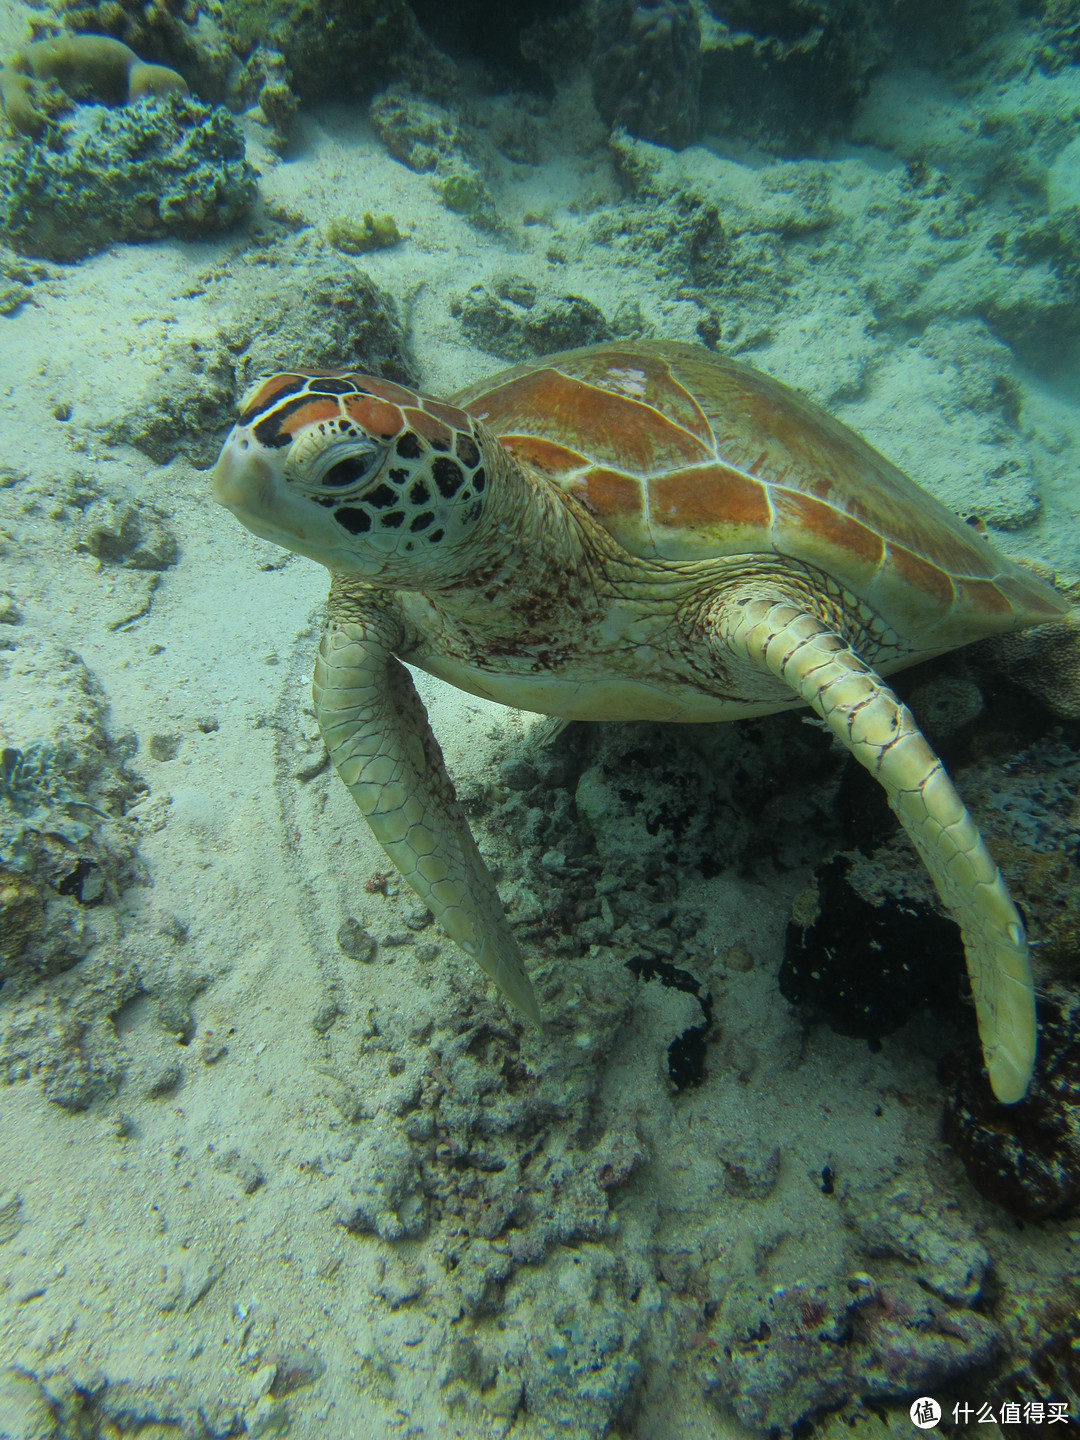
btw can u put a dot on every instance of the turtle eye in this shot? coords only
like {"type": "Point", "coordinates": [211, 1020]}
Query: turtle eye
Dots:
{"type": "Point", "coordinates": [348, 471]}
{"type": "Point", "coordinates": [344, 465]}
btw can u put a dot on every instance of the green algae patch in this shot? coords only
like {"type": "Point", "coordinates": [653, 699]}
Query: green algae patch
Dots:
{"type": "Point", "coordinates": [152, 169]}
{"type": "Point", "coordinates": [373, 232]}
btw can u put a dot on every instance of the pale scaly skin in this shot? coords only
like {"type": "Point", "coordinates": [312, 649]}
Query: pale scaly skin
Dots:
{"type": "Point", "coordinates": [376, 730]}
{"type": "Point", "coordinates": [883, 736]}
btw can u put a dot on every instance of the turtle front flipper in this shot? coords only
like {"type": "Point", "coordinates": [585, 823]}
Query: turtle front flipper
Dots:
{"type": "Point", "coordinates": [818, 664]}
{"type": "Point", "coordinates": [377, 732]}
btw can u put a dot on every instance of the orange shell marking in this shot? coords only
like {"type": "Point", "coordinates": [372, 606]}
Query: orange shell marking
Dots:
{"type": "Point", "coordinates": [683, 455]}
{"type": "Point", "coordinates": [623, 429]}
{"type": "Point", "coordinates": [385, 389]}
{"type": "Point", "coordinates": [798, 512]}
{"type": "Point", "coordinates": [432, 430]}
{"type": "Point", "coordinates": [712, 499]}
{"type": "Point", "coordinates": [558, 461]}
{"type": "Point", "coordinates": [314, 409]}
{"type": "Point", "coordinates": [378, 417]}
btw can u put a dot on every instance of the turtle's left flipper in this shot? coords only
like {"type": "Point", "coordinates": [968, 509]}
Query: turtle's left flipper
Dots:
{"type": "Point", "coordinates": [819, 665]}
{"type": "Point", "coordinates": [376, 730]}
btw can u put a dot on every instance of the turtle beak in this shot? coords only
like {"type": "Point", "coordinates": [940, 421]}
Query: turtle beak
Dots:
{"type": "Point", "coordinates": [247, 482]}
{"type": "Point", "coordinates": [241, 478]}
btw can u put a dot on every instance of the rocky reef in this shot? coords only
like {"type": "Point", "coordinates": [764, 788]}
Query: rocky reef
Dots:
{"type": "Point", "coordinates": [782, 76]}
{"type": "Point", "coordinates": [154, 168]}
{"type": "Point", "coordinates": [516, 323]}
{"type": "Point", "coordinates": [66, 855]}
{"type": "Point", "coordinates": [288, 305]}
{"type": "Point", "coordinates": [807, 1350]}
{"type": "Point", "coordinates": [646, 69]}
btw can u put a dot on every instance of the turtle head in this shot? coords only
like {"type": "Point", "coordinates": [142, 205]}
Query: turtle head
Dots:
{"type": "Point", "coordinates": [358, 473]}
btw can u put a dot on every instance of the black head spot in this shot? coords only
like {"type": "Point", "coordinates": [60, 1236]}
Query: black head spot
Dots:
{"type": "Point", "coordinates": [381, 497]}
{"type": "Point", "coordinates": [467, 451]}
{"type": "Point", "coordinates": [399, 475]}
{"type": "Point", "coordinates": [419, 493]}
{"type": "Point", "coordinates": [479, 480]}
{"type": "Point", "coordinates": [408, 446]}
{"type": "Point", "coordinates": [421, 522]}
{"type": "Point", "coordinates": [436, 536]}
{"type": "Point", "coordinates": [393, 520]}
{"type": "Point", "coordinates": [448, 476]}
{"type": "Point", "coordinates": [357, 522]}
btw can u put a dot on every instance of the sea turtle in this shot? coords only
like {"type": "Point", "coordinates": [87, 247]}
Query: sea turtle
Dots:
{"type": "Point", "coordinates": [630, 531]}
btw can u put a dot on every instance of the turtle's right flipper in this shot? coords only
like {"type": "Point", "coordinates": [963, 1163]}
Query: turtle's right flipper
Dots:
{"type": "Point", "coordinates": [883, 735]}
{"type": "Point", "coordinates": [376, 730]}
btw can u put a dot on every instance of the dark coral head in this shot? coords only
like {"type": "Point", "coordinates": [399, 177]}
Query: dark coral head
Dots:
{"type": "Point", "coordinates": [1024, 1157]}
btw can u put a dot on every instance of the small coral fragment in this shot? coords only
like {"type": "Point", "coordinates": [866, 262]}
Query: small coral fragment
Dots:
{"type": "Point", "coordinates": [374, 232]}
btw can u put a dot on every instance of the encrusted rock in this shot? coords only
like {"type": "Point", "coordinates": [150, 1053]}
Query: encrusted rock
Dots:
{"type": "Point", "coordinates": [331, 47]}
{"type": "Point", "coordinates": [580, 1360]}
{"type": "Point", "coordinates": [354, 941]}
{"type": "Point", "coordinates": [944, 705]}
{"type": "Point", "coordinates": [162, 32]}
{"type": "Point", "coordinates": [399, 1282]}
{"type": "Point", "coordinates": [381, 1191]}
{"type": "Point", "coordinates": [60, 862]}
{"type": "Point", "coordinates": [118, 531]}
{"type": "Point", "coordinates": [427, 136]}
{"type": "Point", "coordinates": [322, 312]}
{"type": "Point", "coordinates": [520, 328]}
{"type": "Point", "coordinates": [646, 68]}
{"type": "Point", "coordinates": [158, 167]}
{"type": "Point", "coordinates": [805, 1350]}
{"type": "Point", "coordinates": [935, 1243]}
{"type": "Point", "coordinates": [415, 131]}
{"type": "Point", "coordinates": [778, 75]}
{"type": "Point", "coordinates": [749, 1175]}
{"type": "Point", "coordinates": [1045, 662]}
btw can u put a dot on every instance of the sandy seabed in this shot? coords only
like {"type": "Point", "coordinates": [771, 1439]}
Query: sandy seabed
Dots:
{"type": "Point", "coordinates": [255, 1184]}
